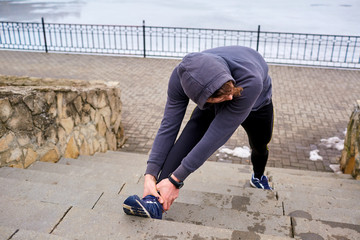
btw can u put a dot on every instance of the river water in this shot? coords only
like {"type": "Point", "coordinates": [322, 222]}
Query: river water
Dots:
{"type": "Point", "coordinates": [304, 16]}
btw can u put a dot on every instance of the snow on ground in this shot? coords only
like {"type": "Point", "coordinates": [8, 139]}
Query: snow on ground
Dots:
{"type": "Point", "coordinates": [332, 142]}
{"type": "Point", "coordinates": [314, 155]}
{"type": "Point", "coordinates": [336, 168]}
{"type": "Point", "coordinates": [242, 152]}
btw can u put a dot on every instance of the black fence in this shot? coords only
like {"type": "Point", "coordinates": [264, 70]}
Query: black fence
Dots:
{"type": "Point", "coordinates": [275, 47]}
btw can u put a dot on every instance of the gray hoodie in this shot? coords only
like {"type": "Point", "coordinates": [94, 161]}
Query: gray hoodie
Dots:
{"type": "Point", "coordinates": [197, 77]}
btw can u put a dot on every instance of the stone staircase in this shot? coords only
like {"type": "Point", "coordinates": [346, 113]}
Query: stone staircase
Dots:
{"type": "Point", "coordinates": [82, 199]}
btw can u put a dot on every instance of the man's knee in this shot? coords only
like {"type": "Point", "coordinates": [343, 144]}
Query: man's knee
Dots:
{"type": "Point", "coordinates": [260, 149]}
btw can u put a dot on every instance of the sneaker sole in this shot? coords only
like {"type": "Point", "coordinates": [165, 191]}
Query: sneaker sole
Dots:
{"type": "Point", "coordinates": [136, 211]}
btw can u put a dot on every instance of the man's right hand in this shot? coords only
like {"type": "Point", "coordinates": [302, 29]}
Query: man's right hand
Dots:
{"type": "Point", "coordinates": [150, 187]}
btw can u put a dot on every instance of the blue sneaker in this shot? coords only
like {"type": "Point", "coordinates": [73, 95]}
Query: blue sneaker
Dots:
{"type": "Point", "coordinates": [148, 207]}
{"type": "Point", "coordinates": [262, 183]}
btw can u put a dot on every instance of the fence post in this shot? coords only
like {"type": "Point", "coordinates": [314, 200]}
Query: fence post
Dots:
{"type": "Point", "coordinates": [258, 38]}
{"type": "Point", "coordinates": [43, 27]}
{"type": "Point", "coordinates": [144, 41]}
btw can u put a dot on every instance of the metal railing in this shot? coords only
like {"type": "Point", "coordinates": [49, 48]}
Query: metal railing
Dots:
{"type": "Point", "coordinates": [275, 47]}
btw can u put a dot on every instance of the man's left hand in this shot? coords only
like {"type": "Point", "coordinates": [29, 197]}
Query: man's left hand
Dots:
{"type": "Point", "coordinates": [168, 192]}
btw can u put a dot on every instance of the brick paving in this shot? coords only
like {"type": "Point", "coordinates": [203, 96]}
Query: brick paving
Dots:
{"type": "Point", "coordinates": [310, 103]}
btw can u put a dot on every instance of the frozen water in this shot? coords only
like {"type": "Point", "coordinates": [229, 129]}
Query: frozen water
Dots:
{"type": "Point", "coordinates": [306, 16]}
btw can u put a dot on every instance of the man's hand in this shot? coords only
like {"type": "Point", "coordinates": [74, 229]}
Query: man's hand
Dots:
{"type": "Point", "coordinates": [168, 192]}
{"type": "Point", "coordinates": [150, 187]}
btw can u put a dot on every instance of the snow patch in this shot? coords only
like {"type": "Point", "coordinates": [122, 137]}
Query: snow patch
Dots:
{"type": "Point", "coordinates": [336, 168]}
{"type": "Point", "coordinates": [242, 152]}
{"type": "Point", "coordinates": [314, 155]}
{"type": "Point", "coordinates": [333, 142]}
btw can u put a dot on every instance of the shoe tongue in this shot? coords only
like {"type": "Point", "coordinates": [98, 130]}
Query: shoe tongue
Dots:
{"type": "Point", "coordinates": [149, 198]}
{"type": "Point", "coordinates": [157, 207]}
{"type": "Point", "coordinates": [264, 180]}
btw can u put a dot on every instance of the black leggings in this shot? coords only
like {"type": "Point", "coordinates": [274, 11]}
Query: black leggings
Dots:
{"type": "Point", "coordinates": [258, 126]}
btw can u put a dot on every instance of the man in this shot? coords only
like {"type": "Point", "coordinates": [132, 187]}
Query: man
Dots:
{"type": "Point", "coordinates": [231, 87]}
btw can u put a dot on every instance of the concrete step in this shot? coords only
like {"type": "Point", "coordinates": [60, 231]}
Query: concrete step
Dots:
{"type": "Point", "coordinates": [49, 193]}
{"type": "Point", "coordinates": [112, 157]}
{"type": "Point", "coordinates": [297, 172]}
{"type": "Point", "coordinates": [91, 224]}
{"type": "Point", "coordinates": [319, 201]}
{"type": "Point", "coordinates": [106, 172]}
{"type": "Point", "coordinates": [223, 188]}
{"type": "Point", "coordinates": [292, 204]}
{"type": "Point", "coordinates": [230, 219]}
{"type": "Point", "coordinates": [312, 181]}
{"type": "Point", "coordinates": [234, 172]}
{"type": "Point", "coordinates": [82, 183]}
{"type": "Point", "coordinates": [300, 204]}
{"type": "Point", "coordinates": [343, 215]}
{"type": "Point", "coordinates": [284, 188]}
{"type": "Point", "coordinates": [7, 232]}
{"type": "Point", "coordinates": [202, 182]}
{"type": "Point", "coordinates": [236, 215]}
{"type": "Point", "coordinates": [311, 206]}
{"type": "Point", "coordinates": [196, 190]}
{"type": "Point", "coordinates": [206, 174]}
{"type": "Point", "coordinates": [49, 183]}
{"type": "Point", "coordinates": [235, 175]}
{"type": "Point", "coordinates": [248, 202]}
{"type": "Point", "coordinates": [267, 224]}
{"type": "Point", "coordinates": [107, 168]}
{"type": "Point", "coordinates": [124, 155]}
{"type": "Point", "coordinates": [209, 173]}
{"type": "Point", "coordinates": [91, 161]}
{"type": "Point", "coordinates": [75, 225]}
{"type": "Point", "coordinates": [116, 157]}
{"type": "Point", "coordinates": [216, 202]}
{"type": "Point", "coordinates": [245, 203]}
{"type": "Point", "coordinates": [20, 234]}
{"type": "Point", "coordinates": [313, 229]}
{"type": "Point", "coordinates": [79, 223]}
{"type": "Point", "coordinates": [96, 161]}
{"type": "Point", "coordinates": [29, 214]}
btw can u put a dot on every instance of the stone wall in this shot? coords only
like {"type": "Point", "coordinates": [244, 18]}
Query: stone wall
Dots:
{"type": "Point", "coordinates": [350, 158]}
{"type": "Point", "coordinates": [46, 119]}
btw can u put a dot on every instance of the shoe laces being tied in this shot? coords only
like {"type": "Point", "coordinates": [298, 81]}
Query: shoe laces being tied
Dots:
{"type": "Point", "coordinates": [154, 206]}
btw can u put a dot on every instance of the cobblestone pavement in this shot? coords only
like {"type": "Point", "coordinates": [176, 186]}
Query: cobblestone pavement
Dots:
{"type": "Point", "coordinates": [310, 103]}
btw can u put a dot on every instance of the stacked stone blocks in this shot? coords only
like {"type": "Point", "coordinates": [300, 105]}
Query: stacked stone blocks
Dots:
{"type": "Point", "coordinates": [46, 119]}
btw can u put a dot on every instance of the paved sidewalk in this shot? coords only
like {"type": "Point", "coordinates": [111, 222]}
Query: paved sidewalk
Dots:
{"type": "Point", "coordinates": [310, 103]}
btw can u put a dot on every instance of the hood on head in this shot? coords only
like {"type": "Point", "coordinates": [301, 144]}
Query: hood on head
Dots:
{"type": "Point", "coordinates": [201, 74]}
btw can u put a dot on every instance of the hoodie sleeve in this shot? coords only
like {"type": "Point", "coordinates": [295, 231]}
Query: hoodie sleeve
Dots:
{"type": "Point", "coordinates": [228, 118]}
{"type": "Point", "coordinates": [175, 109]}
